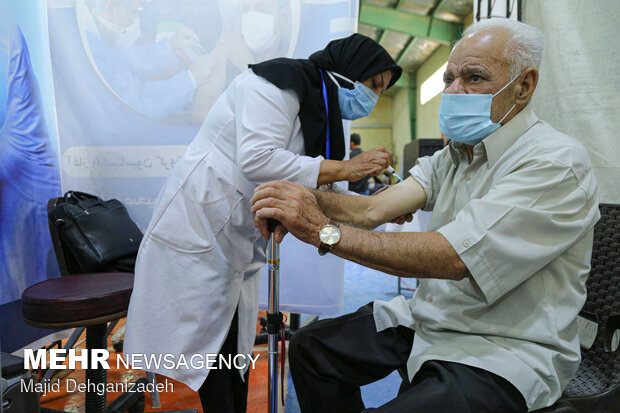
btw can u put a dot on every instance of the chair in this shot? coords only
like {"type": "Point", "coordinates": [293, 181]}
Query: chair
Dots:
{"type": "Point", "coordinates": [596, 386]}
{"type": "Point", "coordinates": [85, 301]}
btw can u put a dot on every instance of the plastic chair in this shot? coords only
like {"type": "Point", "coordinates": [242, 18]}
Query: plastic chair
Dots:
{"type": "Point", "coordinates": [596, 386]}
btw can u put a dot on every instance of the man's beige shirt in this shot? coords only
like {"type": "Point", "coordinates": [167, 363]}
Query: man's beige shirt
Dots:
{"type": "Point", "coordinates": [521, 217]}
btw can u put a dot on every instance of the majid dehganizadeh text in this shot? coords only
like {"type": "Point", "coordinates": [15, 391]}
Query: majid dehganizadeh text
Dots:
{"type": "Point", "coordinates": [98, 358]}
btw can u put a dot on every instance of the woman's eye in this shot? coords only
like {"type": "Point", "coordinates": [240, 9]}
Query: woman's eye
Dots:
{"type": "Point", "coordinates": [447, 81]}
{"type": "Point", "coordinates": [476, 78]}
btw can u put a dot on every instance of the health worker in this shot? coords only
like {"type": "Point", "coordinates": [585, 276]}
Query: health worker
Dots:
{"type": "Point", "coordinates": [198, 269]}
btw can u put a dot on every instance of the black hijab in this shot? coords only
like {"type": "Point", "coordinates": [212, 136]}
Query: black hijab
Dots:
{"type": "Point", "coordinates": [357, 57]}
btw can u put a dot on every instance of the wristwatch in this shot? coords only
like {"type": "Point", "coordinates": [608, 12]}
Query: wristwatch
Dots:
{"type": "Point", "coordinates": [329, 235]}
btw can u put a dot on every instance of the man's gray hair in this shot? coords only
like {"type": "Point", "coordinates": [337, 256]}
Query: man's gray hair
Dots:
{"type": "Point", "coordinates": [526, 43]}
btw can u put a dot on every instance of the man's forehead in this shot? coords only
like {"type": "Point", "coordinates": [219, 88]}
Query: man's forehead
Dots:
{"type": "Point", "coordinates": [486, 48]}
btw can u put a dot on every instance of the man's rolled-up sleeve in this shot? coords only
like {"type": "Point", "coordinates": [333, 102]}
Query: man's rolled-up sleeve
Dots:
{"type": "Point", "coordinates": [525, 221]}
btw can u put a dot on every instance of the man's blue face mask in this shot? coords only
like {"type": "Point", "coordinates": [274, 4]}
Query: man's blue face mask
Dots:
{"type": "Point", "coordinates": [466, 118]}
{"type": "Point", "coordinates": [357, 102]}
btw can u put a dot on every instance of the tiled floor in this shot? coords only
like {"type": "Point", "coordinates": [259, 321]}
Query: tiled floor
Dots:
{"type": "Point", "coordinates": [182, 397]}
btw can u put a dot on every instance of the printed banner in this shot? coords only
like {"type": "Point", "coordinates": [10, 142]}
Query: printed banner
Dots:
{"type": "Point", "coordinates": [133, 83]}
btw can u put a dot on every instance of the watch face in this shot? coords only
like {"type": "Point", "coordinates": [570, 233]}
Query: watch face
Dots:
{"type": "Point", "coordinates": [329, 235]}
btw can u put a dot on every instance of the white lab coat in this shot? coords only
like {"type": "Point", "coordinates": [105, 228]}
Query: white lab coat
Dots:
{"type": "Point", "coordinates": [199, 260]}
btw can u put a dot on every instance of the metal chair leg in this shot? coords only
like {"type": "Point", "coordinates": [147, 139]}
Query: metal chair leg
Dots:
{"type": "Point", "coordinates": [155, 400]}
{"type": "Point", "coordinates": [70, 343]}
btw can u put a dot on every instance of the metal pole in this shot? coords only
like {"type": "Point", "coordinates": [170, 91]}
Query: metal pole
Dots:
{"type": "Point", "coordinates": [274, 318]}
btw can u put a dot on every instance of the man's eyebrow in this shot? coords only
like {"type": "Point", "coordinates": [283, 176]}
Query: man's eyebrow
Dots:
{"type": "Point", "coordinates": [470, 71]}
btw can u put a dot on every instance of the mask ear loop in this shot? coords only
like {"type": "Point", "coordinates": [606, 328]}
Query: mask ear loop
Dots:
{"type": "Point", "coordinates": [505, 86]}
{"type": "Point", "coordinates": [507, 113]}
{"type": "Point", "coordinates": [332, 78]}
{"type": "Point", "coordinates": [500, 91]}
{"type": "Point", "coordinates": [332, 74]}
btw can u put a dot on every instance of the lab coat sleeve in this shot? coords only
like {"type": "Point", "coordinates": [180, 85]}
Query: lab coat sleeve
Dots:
{"type": "Point", "coordinates": [265, 120]}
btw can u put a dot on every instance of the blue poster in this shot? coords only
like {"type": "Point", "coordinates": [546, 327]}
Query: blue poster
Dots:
{"type": "Point", "coordinates": [29, 171]}
{"type": "Point", "coordinates": [133, 81]}
{"type": "Point", "coordinates": [29, 174]}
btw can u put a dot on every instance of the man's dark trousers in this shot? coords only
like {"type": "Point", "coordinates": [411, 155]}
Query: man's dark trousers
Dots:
{"type": "Point", "coordinates": [332, 358]}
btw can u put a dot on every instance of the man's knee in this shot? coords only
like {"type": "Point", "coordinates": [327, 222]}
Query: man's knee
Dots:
{"type": "Point", "coordinates": [298, 347]}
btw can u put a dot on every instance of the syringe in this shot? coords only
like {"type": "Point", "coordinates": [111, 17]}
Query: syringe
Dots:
{"type": "Point", "coordinates": [393, 172]}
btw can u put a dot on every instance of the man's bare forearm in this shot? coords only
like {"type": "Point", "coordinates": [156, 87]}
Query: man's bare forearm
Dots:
{"type": "Point", "coordinates": [350, 209]}
{"type": "Point", "coordinates": [371, 211]}
{"type": "Point", "coordinates": [405, 254]}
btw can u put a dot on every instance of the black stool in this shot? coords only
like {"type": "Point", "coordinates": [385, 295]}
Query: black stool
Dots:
{"type": "Point", "coordinates": [91, 301]}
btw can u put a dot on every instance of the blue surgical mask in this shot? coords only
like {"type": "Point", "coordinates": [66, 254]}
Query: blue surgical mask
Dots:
{"type": "Point", "coordinates": [466, 118]}
{"type": "Point", "coordinates": [357, 102]}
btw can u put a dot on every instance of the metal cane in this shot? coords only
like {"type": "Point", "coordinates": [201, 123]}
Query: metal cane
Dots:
{"type": "Point", "coordinates": [274, 317]}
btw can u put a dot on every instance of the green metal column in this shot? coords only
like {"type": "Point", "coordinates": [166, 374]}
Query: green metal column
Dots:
{"type": "Point", "coordinates": [413, 90]}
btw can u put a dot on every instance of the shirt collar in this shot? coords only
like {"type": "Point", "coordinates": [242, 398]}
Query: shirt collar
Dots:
{"type": "Point", "coordinates": [455, 149]}
{"type": "Point", "coordinates": [499, 141]}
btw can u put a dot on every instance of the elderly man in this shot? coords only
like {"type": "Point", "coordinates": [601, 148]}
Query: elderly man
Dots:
{"type": "Point", "coordinates": [492, 326]}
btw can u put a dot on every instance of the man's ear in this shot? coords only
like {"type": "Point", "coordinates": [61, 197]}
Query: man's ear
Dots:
{"type": "Point", "coordinates": [525, 88]}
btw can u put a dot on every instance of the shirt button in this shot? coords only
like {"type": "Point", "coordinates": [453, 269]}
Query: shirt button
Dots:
{"type": "Point", "coordinates": [466, 177]}
{"type": "Point", "coordinates": [430, 299]}
{"type": "Point", "coordinates": [466, 243]}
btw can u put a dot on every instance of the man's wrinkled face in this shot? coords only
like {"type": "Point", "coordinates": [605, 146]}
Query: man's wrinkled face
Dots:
{"type": "Point", "coordinates": [478, 65]}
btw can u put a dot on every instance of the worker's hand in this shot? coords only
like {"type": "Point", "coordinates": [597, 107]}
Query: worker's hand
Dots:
{"type": "Point", "coordinates": [293, 206]}
{"type": "Point", "coordinates": [367, 163]}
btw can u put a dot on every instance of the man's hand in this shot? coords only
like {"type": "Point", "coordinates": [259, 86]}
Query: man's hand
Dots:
{"type": "Point", "coordinates": [293, 206]}
{"type": "Point", "coordinates": [367, 163]}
